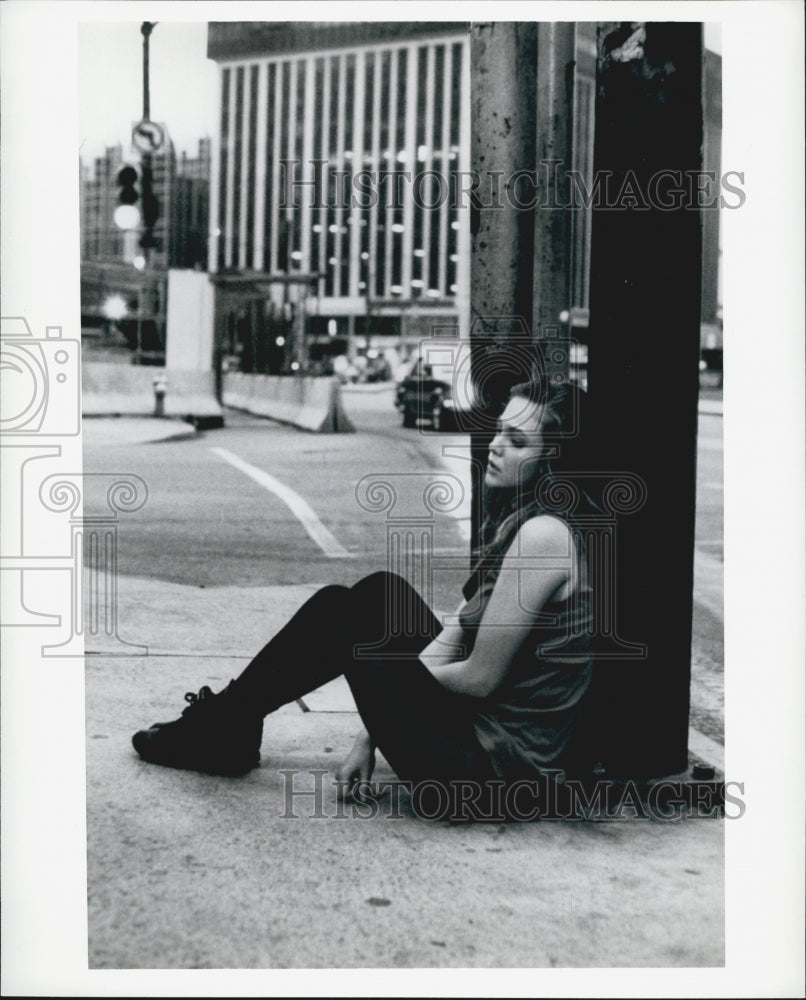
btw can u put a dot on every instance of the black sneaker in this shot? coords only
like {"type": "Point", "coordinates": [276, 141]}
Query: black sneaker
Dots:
{"type": "Point", "coordinates": [214, 735]}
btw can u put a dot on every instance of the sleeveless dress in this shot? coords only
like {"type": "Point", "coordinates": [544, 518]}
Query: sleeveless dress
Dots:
{"type": "Point", "coordinates": [527, 723]}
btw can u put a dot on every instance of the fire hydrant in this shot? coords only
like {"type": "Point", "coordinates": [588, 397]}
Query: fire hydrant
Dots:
{"type": "Point", "coordinates": [160, 383]}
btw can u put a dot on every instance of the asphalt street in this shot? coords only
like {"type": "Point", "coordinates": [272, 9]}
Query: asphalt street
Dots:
{"type": "Point", "coordinates": [208, 523]}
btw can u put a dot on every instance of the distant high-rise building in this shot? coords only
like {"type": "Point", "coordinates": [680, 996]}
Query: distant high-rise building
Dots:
{"type": "Point", "coordinates": [190, 209]}
{"type": "Point", "coordinates": [100, 237]}
{"type": "Point", "coordinates": [109, 255]}
{"type": "Point", "coordinates": [182, 188]}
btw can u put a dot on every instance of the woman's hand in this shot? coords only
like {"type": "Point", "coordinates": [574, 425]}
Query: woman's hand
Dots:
{"type": "Point", "coordinates": [355, 772]}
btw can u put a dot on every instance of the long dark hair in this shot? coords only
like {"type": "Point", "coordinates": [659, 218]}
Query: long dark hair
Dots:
{"type": "Point", "coordinates": [506, 509]}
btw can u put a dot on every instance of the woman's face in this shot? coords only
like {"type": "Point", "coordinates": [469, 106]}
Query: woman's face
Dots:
{"type": "Point", "coordinates": [517, 446]}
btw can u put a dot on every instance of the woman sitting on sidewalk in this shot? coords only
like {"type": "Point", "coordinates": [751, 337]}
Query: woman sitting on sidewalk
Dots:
{"type": "Point", "coordinates": [491, 698]}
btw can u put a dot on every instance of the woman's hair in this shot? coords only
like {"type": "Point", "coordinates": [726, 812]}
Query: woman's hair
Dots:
{"type": "Point", "coordinates": [559, 402]}
{"type": "Point", "coordinates": [506, 509]}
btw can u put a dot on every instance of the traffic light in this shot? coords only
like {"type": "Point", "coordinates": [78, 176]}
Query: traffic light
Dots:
{"type": "Point", "coordinates": [127, 215]}
{"type": "Point", "coordinates": [151, 208]}
{"type": "Point", "coordinates": [150, 204]}
{"type": "Point", "coordinates": [127, 178]}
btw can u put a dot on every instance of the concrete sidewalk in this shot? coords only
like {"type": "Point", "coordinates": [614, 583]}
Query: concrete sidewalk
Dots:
{"type": "Point", "coordinates": [191, 871]}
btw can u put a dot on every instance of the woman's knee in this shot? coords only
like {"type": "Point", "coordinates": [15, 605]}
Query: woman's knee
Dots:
{"type": "Point", "coordinates": [332, 590]}
{"type": "Point", "coordinates": [333, 599]}
{"type": "Point", "coordinates": [378, 582]}
{"type": "Point", "coordinates": [389, 592]}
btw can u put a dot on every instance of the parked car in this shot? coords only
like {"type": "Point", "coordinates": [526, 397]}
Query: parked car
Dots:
{"type": "Point", "coordinates": [437, 389]}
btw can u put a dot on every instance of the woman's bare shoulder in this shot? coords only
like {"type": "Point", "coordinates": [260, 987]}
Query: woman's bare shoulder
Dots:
{"type": "Point", "coordinates": [542, 533]}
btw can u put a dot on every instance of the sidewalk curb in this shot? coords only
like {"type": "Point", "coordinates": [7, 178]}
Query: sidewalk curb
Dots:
{"type": "Point", "coordinates": [144, 430]}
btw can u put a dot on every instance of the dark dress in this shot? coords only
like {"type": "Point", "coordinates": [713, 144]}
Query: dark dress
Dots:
{"type": "Point", "coordinates": [527, 723]}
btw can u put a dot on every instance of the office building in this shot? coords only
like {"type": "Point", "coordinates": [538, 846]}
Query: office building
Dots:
{"type": "Point", "coordinates": [340, 181]}
{"type": "Point", "coordinates": [339, 202]}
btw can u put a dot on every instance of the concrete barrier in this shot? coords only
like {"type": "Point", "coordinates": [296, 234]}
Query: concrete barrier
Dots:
{"type": "Point", "coordinates": [128, 390]}
{"type": "Point", "coordinates": [312, 404]}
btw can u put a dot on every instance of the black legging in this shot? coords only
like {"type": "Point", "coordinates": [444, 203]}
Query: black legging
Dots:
{"type": "Point", "coordinates": [372, 634]}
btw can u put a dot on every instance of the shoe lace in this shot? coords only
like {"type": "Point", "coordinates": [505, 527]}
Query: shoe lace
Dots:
{"type": "Point", "coordinates": [194, 700]}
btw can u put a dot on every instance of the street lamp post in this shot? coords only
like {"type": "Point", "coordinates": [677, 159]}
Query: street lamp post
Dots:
{"type": "Point", "coordinates": [145, 29]}
{"type": "Point", "coordinates": [146, 193]}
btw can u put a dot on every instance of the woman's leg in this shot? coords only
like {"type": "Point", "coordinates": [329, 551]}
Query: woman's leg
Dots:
{"type": "Point", "coordinates": [425, 731]}
{"type": "Point", "coordinates": [310, 650]}
{"type": "Point", "coordinates": [222, 733]}
{"type": "Point", "coordinates": [380, 616]}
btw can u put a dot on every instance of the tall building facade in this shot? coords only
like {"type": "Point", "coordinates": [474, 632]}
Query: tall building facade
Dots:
{"type": "Point", "coordinates": [341, 180]}
{"type": "Point", "coordinates": [339, 195]}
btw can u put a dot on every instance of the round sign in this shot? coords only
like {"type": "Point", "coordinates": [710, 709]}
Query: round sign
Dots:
{"type": "Point", "coordinates": [147, 136]}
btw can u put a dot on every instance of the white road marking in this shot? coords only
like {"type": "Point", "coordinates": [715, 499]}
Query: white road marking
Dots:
{"type": "Point", "coordinates": [300, 508]}
{"type": "Point", "coordinates": [706, 749]}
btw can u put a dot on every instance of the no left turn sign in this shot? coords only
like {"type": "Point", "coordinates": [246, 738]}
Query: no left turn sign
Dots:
{"type": "Point", "coordinates": [148, 137]}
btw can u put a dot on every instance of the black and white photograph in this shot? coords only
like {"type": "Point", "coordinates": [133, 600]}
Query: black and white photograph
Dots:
{"type": "Point", "coordinates": [402, 499]}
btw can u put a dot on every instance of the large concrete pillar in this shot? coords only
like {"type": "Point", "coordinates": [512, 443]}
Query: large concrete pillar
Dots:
{"type": "Point", "coordinates": [643, 375]}
{"type": "Point", "coordinates": [503, 66]}
{"type": "Point", "coordinates": [503, 59]}
{"type": "Point", "coordinates": [555, 117]}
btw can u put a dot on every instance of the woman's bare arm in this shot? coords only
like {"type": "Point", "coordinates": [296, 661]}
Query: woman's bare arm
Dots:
{"type": "Point", "coordinates": [447, 647]}
{"type": "Point", "coordinates": [539, 563]}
